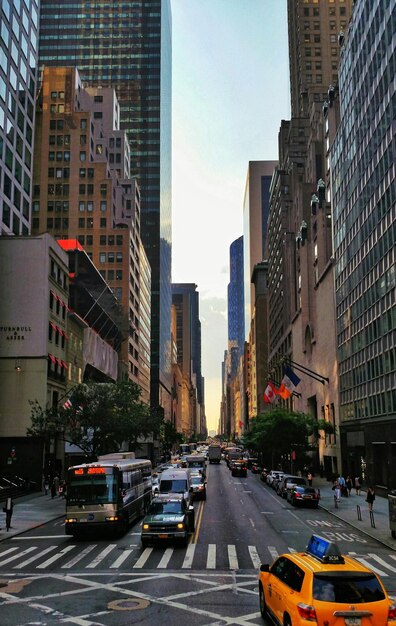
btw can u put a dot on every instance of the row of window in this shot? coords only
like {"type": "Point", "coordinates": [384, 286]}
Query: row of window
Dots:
{"type": "Point", "coordinates": [111, 275]}
{"type": "Point", "coordinates": [110, 257]}
{"type": "Point", "coordinates": [56, 335]}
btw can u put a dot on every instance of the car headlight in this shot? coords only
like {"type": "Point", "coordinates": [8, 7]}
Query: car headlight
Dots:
{"type": "Point", "coordinates": [112, 518]}
{"type": "Point", "coordinates": [146, 526]}
{"type": "Point", "coordinates": [70, 520]}
{"type": "Point", "coordinates": [181, 526]}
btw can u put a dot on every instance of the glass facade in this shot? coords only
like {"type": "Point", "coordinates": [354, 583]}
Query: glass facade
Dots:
{"type": "Point", "coordinates": [127, 45]}
{"type": "Point", "coordinates": [364, 230]}
{"type": "Point", "coordinates": [18, 61]}
{"type": "Point", "coordinates": [236, 319]}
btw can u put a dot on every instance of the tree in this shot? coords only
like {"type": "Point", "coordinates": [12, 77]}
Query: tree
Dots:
{"type": "Point", "coordinates": [102, 416]}
{"type": "Point", "coordinates": [277, 432]}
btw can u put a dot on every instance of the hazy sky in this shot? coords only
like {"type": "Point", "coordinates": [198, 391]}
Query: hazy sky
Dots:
{"type": "Point", "coordinates": [230, 93]}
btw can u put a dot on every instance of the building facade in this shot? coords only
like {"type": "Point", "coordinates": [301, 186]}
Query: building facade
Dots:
{"type": "Point", "coordinates": [19, 23]}
{"type": "Point", "coordinates": [128, 46]}
{"type": "Point", "coordinates": [80, 192]}
{"type": "Point", "coordinates": [363, 188]}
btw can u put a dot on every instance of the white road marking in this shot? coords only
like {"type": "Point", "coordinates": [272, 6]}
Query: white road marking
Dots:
{"type": "Point", "coordinates": [166, 558]}
{"type": "Point", "coordinates": [382, 562]}
{"type": "Point", "coordinates": [143, 558]}
{"type": "Point", "coordinates": [188, 559]}
{"type": "Point", "coordinates": [211, 559]}
{"type": "Point", "coordinates": [17, 556]}
{"type": "Point", "coordinates": [35, 557]}
{"type": "Point", "coordinates": [56, 557]}
{"type": "Point", "coordinates": [267, 512]}
{"type": "Point", "coordinates": [273, 552]}
{"type": "Point", "coordinates": [232, 557]}
{"type": "Point", "coordinates": [8, 551]}
{"type": "Point", "coordinates": [102, 555]}
{"type": "Point", "coordinates": [367, 564]}
{"type": "Point", "coordinates": [38, 537]}
{"type": "Point", "coordinates": [254, 556]}
{"type": "Point", "coordinates": [79, 556]}
{"type": "Point", "coordinates": [123, 556]}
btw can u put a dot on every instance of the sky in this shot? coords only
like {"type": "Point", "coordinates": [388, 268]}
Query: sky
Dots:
{"type": "Point", "coordinates": [230, 92]}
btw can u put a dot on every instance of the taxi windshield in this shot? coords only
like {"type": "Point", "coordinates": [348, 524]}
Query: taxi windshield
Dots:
{"type": "Point", "coordinates": [347, 588]}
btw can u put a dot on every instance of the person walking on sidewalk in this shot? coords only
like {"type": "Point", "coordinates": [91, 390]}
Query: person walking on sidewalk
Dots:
{"type": "Point", "coordinates": [8, 508]}
{"type": "Point", "coordinates": [337, 490]}
{"type": "Point", "coordinates": [370, 497]}
{"type": "Point", "coordinates": [309, 477]}
{"type": "Point", "coordinates": [348, 483]}
{"type": "Point", "coordinates": [358, 485]}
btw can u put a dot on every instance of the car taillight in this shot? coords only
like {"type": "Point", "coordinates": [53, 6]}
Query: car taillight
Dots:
{"type": "Point", "coordinates": [306, 612]}
{"type": "Point", "coordinates": [297, 494]}
{"type": "Point", "coordinates": [392, 613]}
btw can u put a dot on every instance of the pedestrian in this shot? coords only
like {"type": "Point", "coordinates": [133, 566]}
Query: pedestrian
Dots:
{"type": "Point", "coordinates": [46, 486]}
{"type": "Point", "coordinates": [309, 477]}
{"type": "Point", "coordinates": [358, 485]}
{"type": "Point", "coordinates": [348, 483]}
{"type": "Point", "coordinates": [337, 490]}
{"type": "Point", "coordinates": [370, 497]}
{"type": "Point", "coordinates": [8, 508]}
{"type": "Point", "coordinates": [53, 488]}
{"type": "Point", "coordinates": [341, 482]}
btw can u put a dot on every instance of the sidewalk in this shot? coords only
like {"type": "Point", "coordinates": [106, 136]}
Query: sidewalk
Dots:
{"type": "Point", "coordinates": [31, 511]}
{"type": "Point", "coordinates": [347, 512]}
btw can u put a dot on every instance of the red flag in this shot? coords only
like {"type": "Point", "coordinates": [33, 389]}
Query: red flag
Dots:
{"type": "Point", "coordinates": [270, 393]}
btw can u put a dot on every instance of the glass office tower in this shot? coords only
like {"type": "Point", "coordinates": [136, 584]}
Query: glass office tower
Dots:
{"type": "Point", "coordinates": [127, 45]}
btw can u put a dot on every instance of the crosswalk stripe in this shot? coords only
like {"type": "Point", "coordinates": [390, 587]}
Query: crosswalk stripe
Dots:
{"type": "Point", "coordinates": [166, 558]}
{"type": "Point", "coordinates": [8, 551]}
{"type": "Point", "coordinates": [17, 556]}
{"type": "Point", "coordinates": [123, 557]}
{"type": "Point", "coordinates": [56, 557]}
{"type": "Point", "coordinates": [367, 564]}
{"type": "Point", "coordinates": [102, 555]}
{"type": "Point", "coordinates": [187, 563]}
{"type": "Point", "coordinates": [381, 562]}
{"type": "Point", "coordinates": [143, 558]}
{"type": "Point", "coordinates": [211, 559]}
{"type": "Point", "coordinates": [79, 556]}
{"type": "Point", "coordinates": [273, 552]}
{"type": "Point", "coordinates": [35, 557]}
{"type": "Point", "coordinates": [254, 556]}
{"type": "Point", "coordinates": [292, 550]}
{"type": "Point", "coordinates": [232, 557]}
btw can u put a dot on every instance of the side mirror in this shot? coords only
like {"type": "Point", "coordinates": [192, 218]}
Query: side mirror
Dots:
{"type": "Point", "coordinates": [264, 567]}
{"type": "Point", "coordinates": [190, 508]}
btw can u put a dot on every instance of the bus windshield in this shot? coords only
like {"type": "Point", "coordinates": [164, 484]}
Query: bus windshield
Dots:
{"type": "Point", "coordinates": [95, 489]}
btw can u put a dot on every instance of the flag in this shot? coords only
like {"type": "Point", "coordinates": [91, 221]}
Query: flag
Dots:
{"type": "Point", "coordinates": [289, 382]}
{"type": "Point", "coordinates": [270, 393]}
{"type": "Point", "coordinates": [70, 403]}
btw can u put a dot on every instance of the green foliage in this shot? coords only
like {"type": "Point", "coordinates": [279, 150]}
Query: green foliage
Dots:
{"type": "Point", "coordinates": [278, 431]}
{"type": "Point", "coordinates": [103, 416]}
{"type": "Point", "coordinates": [171, 436]}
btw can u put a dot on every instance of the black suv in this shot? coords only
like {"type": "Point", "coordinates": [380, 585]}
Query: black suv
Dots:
{"type": "Point", "coordinates": [168, 517]}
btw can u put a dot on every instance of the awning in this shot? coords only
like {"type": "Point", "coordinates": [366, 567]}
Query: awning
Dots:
{"type": "Point", "coordinates": [59, 362]}
{"type": "Point", "coordinates": [52, 358]}
{"type": "Point", "coordinates": [55, 328]}
{"type": "Point", "coordinates": [60, 331]}
{"type": "Point", "coordinates": [65, 365]}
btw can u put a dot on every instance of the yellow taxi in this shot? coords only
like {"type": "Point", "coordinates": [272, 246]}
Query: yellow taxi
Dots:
{"type": "Point", "coordinates": [321, 586]}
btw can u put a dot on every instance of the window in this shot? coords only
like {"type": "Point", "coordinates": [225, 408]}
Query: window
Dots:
{"type": "Point", "coordinates": [82, 172]}
{"type": "Point", "coordinates": [110, 257]}
{"type": "Point", "coordinates": [103, 205]}
{"type": "Point", "coordinates": [83, 140]}
{"type": "Point", "coordinates": [119, 240]}
{"type": "Point", "coordinates": [81, 190]}
{"type": "Point", "coordinates": [98, 98]}
{"type": "Point", "coordinates": [83, 155]}
{"type": "Point", "coordinates": [90, 206]}
{"type": "Point", "coordinates": [81, 205]}
{"type": "Point", "coordinates": [103, 222]}
{"type": "Point", "coordinates": [119, 257]}
{"type": "Point", "coordinates": [83, 123]}
{"type": "Point", "coordinates": [99, 148]}
{"type": "Point", "coordinates": [89, 240]}
{"type": "Point", "coordinates": [103, 189]}
{"type": "Point", "coordinates": [81, 222]}
{"type": "Point", "coordinates": [102, 240]}
{"type": "Point", "coordinates": [98, 115]}
{"type": "Point", "coordinates": [102, 257]}
{"type": "Point", "coordinates": [111, 240]}
{"type": "Point", "coordinates": [90, 222]}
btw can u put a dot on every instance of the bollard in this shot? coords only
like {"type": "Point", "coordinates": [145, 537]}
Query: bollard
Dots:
{"type": "Point", "coordinates": [372, 519]}
{"type": "Point", "coordinates": [359, 513]}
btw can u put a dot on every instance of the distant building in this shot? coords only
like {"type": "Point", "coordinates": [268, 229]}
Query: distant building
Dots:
{"type": "Point", "coordinates": [235, 300]}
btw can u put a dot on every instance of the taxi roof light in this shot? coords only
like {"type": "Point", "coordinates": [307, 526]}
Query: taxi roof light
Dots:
{"type": "Point", "coordinates": [324, 550]}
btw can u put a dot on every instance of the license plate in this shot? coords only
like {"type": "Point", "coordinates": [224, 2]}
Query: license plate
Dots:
{"type": "Point", "coordinates": [162, 536]}
{"type": "Point", "coordinates": [353, 621]}
{"type": "Point", "coordinates": [307, 497]}
{"type": "Point", "coordinates": [83, 519]}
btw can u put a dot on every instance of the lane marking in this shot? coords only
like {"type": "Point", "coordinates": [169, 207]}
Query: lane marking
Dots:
{"type": "Point", "coordinates": [17, 556]}
{"type": "Point", "coordinates": [121, 559]}
{"type": "Point", "coordinates": [39, 537]}
{"type": "Point", "coordinates": [56, 557]}
{"type": "Point", "coordinates": [367, 564]}
{"type": "Point", "coordinates": [143, 558]}
{"type": "Point", "coordinates": [232, 557]}
{"type": "Point", "coordinates": [211, 558]}
{"type": "Point", "coordinates": [166, 558]}
{"type": "Point", "coordinates": [254, 556]}
{"type": "Point", "coordinates": [187, 563]}
{"type": "Point", "coordinates": [35, 557]}
{"type": "Point", "coordinates": [273, 552]}
{"type": "Point", "coordinates": [102, 555]}
{"type": "Point", "coordinates": [80, 556]}
{"type": "Point", "coordinates": [381, 561]}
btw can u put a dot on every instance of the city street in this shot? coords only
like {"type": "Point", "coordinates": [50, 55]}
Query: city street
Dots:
{"type": "Point", "coordinates": [51, 578]}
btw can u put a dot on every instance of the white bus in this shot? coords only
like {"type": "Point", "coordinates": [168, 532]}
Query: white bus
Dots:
{"type": "Point", "coordinates": [108, 494]}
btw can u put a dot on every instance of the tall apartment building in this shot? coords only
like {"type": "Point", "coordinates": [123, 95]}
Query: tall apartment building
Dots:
{"type": "Point", "coordinates": [363, 174]}
{"type": "Point", "coordinates": [81, 191]}
{"type": "Point", "coordinates": [235, 297]}
{"type": "Point", "coordinates": [185, 298]}
{"type": "Point", "coordinates": [127, 45]}
{"type": "Point", "coordinates": [18, 69]}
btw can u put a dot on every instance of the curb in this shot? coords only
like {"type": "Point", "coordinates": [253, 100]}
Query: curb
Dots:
{"type": "Point", "coordinates": [364, 531]}
{"type": "Point", "coordinates": [22, 531]}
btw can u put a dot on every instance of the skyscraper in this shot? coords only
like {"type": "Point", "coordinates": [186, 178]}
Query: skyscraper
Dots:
{"type": "Point", "coordinates": [236, 320]}
{"type": "Point", "coordinates": [127, 45]}
{"type": "Point", "coordinates": [18, 58]}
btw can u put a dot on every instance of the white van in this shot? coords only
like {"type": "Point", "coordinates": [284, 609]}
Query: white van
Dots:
{"type": "Point", "coordinates": [176, 481]}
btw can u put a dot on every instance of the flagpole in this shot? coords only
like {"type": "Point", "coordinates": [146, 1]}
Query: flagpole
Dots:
{"type": "Point", "coordinates": [306, 370]}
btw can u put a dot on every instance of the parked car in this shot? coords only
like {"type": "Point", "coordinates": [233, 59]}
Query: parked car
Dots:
{"type": "Point", "coordinates": [303, 496]}
{"type": "Point", "coordinates": [272, 475]}
{"type": "Point", "coordinates": [264, 474]}
{"type": "Point", "coordinates": [287, 483]}
{"type": "Point", "coordinates": [239, 468]}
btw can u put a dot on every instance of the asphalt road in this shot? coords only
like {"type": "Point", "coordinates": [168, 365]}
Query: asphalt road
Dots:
{"type": "Point", "coordinates": [53, 579]}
